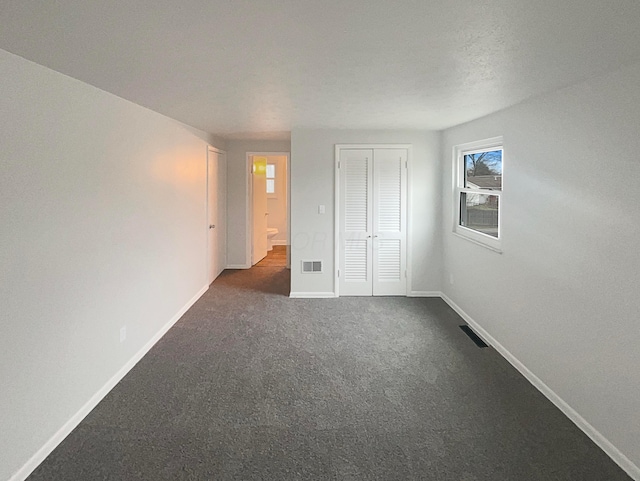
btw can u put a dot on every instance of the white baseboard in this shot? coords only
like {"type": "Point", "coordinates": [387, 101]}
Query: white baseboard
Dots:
{"type": "Point", "coordinates": [71, 424]}
{"type": "Point", "coordinates": [279, 242]}
{"type": "Point", "coordinates": [484, 335]}
{"type": "Point", "coordinates": [424, 294]}
{"type": "Point", "coordinates": [312, 295]}
{"type": "Point", "coordinates": [614, 453]}
{"type": "Point", "coordinates": [238, 266]}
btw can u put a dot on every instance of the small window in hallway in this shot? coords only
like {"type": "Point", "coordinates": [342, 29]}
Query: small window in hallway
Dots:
{"type": "Point", "coordinates": [271, 180]}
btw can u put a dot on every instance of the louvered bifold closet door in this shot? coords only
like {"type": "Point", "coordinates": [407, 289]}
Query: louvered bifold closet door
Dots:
{"type": "Point", "coordinates": [389, 222]}
{"type": "Point", "coordinates": [356, 176]}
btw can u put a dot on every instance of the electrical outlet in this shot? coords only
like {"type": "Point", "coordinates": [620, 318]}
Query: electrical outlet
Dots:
{"type": "Point", "coordinates": [321, 209]}
{"type": "Point", "coordinates": [123, 333]}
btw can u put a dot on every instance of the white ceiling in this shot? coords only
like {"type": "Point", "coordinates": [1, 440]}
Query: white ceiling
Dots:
{"type": "Point", "coordinates": [251, 68]}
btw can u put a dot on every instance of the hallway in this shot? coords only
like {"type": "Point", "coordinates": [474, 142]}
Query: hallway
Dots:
{"type": "Point", "coordinates": [252, 385]}
{"type": "Point", "coordinates": [277, 257]}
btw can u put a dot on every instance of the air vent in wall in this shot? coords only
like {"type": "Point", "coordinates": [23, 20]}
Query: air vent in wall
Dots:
{"type": "Point", "coordinates": [312, 266]}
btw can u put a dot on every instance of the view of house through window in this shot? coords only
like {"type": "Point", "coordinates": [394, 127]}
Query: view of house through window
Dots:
{"type": "Point", "coordinates": [271, 178]}
{"type": "Point", "coordinates": [479, 167]}
{"type": "Point", "coordinates": [482, 171]}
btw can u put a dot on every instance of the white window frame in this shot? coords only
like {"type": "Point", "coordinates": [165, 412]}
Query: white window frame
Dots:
{"type": "Point", "coordinates": [274, 194]}
{"type": "Point", "coordinates": [459, 151]}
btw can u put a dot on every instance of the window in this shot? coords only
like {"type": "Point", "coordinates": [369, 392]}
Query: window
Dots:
{"type": "Point", "coordinates": [271, 180]}
{"type": "Point", "coordinates": [478, 168]}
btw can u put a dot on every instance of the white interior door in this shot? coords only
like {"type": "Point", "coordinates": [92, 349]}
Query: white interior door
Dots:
{"type": "Point", "coordinates": [356, 273]}
{"type": "Point", "coordinates": [373, 222]}
{"type": "Point", "coordinates": [390, 222]}
{"type": "Point", "coordinates": [216, 213]}
{"type": "Point", "coordinates": [260, 213]}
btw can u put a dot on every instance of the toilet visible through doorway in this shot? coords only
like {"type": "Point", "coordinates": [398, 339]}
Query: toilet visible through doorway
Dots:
{"type": "Point", "coordinates": [271, 233]}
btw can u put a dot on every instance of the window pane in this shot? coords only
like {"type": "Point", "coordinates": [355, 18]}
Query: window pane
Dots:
{"type": "Point", "coordinates": [271, 171]}
{"type": "Point", "coordinates": [271, 186]}
{"type": "Point", "coordinates": [479, 212]}
{"type": "Point", "coordinates": [483, 170]}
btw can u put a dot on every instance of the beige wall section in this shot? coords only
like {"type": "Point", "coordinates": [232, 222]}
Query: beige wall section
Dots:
{"type": "Point", "coordinates": [102, 208]}
{"type": "Point", "coordinates": [237, 195]}
{"type": "Point", "coordinates": [312, 184]}
{"type": "Point", "coordinates": [563, 297]}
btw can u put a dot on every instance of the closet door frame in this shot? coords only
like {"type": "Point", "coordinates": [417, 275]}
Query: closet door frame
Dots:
{"type": "Point", "coordinates": [337, 213]}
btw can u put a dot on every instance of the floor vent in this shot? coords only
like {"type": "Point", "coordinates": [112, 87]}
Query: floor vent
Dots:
{"type": "Point", "coordinates": [473, 336]}
{"type": "Point", "coordinates": [312, 266]}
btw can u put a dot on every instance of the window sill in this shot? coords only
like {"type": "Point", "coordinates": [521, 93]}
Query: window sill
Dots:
{"type": "Point", "coordinates": [497, 250]}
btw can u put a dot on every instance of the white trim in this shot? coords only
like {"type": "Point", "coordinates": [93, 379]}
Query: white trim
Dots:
{"type": "Point", "coordinates": [312, 295]}
{"type": "Point", "coordinates": [484, 335]}
{"type": "Point", "coordinates": [215, 149]}
{"type": "Point", "coordinates": [424, 294]}
{"type": "Point", "coordinates": [248, 228]}
{"type": "Point", "coordinates": [603, 443]}
{"type": "Point", "coordinates": [336, 217]}
{"type": "Point", "coordinates": [459, 151]}
{"type": "Point", "coordinates": [276, 184]}
{"type": "Point", "coordinates": [207, 207]}
{"type": "Point", "coordinates": [238, 266]}
{"type": "Point", "coordinates": [288, 184]}
{"type": "Point", "coordinates": [472, 239]}
{"type": "Point", "coordinates": [225, 158]}
{"type": "Point", "coordinates": [409, 244]}
{"type": "Point", "coordinates": [484, 145]}
{"type": "Point", "coordinates": [336, 202]}
{"type": "Point", "coordinates": [77, 418]}
{"type": "Point", "coordinates": [279, 242]}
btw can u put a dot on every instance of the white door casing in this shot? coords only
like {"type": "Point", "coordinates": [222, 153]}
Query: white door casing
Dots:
{"type": "Point", "coordinates": [222, 211]}
{"type": "Point", "coordinates": [372, 220]}
{"type": "Point", "coordinates": [260, 213]}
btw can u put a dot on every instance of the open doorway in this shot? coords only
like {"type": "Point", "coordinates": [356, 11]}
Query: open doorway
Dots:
{"type": "Point", "coordinates": [269, 208]}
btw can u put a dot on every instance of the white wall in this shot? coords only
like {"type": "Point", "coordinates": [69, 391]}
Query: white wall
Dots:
{"type": "Point", "coordinates": [238, 239]}
{"type": "Point", "coordinates": [277, 206]}
{"type": "Point", "coordinates": [102, 215]}
{"type": "Point", "coordinates": [312, 183]}
{"type": "Point", "coordinates": [563, 297]}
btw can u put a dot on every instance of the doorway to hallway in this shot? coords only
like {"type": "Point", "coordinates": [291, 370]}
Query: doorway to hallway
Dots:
{"type": "Point", "coordinates": [268, 206]}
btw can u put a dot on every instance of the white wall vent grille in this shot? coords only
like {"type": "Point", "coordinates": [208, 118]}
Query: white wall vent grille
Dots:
{"type": "Point", "coordinates": [312, 267]}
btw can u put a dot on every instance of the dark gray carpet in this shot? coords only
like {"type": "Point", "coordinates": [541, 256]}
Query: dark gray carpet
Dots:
{"type": "Point", "coordinates": [252, 385]}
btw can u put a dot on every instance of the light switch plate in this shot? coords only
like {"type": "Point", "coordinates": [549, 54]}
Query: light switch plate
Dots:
{"type": "Point", "coordinates": [321, 209]}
